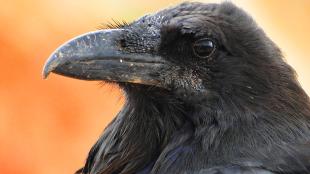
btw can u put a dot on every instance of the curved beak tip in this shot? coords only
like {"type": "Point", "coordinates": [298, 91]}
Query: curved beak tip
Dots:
{"type": "Point", "coordinates": [49, 66]}
{"type": "Point", "coordinates": [45, 74]}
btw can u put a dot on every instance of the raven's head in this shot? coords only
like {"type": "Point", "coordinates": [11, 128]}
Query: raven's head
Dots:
{"type": "Point", "coordinates": [190, 49]}
{"type": "Point", "coordinates": [214, 62]}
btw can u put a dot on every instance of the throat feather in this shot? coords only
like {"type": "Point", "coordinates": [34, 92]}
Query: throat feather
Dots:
{"type": "Point", "coordinates": [136, 136]}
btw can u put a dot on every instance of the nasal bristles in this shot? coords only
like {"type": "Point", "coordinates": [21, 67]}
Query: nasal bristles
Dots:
{"type": "Point", "coordinates": [114, 24]}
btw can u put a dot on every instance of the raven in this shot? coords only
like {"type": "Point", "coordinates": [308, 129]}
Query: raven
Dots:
{"type": "Point", "coordinates": [207, 92]}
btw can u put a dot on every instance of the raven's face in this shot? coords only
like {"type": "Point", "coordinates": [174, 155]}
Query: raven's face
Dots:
{"type": "Point", "coordinates": [190, 48]}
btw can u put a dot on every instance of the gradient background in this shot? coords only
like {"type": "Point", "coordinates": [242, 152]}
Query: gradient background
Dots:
{"type": "Point", "coordinates": [48, 126]}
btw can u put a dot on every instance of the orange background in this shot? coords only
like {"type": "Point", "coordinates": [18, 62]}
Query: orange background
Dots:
{"type": "Point", "coordinates": [48, 126]}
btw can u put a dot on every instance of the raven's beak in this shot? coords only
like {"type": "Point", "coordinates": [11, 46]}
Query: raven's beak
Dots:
{"type": "Point", "coordinates": [100, 55]}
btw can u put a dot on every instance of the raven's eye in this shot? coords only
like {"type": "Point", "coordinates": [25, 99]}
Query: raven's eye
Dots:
{"type": "Point", "coordinates": [204, 48]}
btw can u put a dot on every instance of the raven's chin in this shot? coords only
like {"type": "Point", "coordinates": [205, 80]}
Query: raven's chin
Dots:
{"type": "Point", "coordinates": [142, 90]}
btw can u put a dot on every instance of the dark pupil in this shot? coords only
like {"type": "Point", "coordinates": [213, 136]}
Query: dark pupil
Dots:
{"type": "Point", "coordinates": [203, 48]}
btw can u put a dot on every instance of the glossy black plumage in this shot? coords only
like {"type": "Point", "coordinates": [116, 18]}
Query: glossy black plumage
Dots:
{"type": "Point", "coordinates": [237, 111]}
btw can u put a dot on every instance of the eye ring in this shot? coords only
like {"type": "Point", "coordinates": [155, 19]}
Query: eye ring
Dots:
{"type": "Point", "coordinates": [204, 48]}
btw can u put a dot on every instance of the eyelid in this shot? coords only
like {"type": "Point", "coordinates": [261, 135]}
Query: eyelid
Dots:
{"type": "Point", "coordinates": [207, 38]}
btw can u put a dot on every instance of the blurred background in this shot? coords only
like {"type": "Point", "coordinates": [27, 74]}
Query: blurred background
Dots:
{"type": "Point", "coordinates": [48, 126]}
